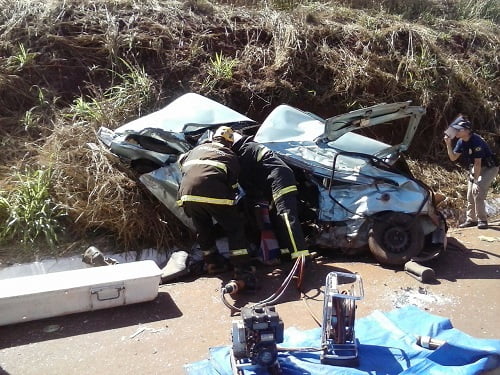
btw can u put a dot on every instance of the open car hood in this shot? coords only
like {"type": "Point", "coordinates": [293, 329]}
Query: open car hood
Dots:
{"type": "Point", "coordinates": [338, 126]}
{"type": "Point", "coordinates": [289, 124]}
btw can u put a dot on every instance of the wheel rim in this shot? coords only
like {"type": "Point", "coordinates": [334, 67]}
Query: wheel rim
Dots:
{"type": "Point", "coordinates": [396, 240]}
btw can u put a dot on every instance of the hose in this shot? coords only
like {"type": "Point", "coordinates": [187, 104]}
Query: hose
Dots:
{"type": "Point", "coordinates": [273, 298]}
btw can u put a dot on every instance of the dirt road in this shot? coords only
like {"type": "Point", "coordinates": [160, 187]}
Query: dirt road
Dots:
{"type": "Point", "coordinates": [188, 317]}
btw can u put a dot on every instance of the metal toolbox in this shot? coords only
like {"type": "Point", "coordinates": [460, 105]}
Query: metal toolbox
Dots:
{"type": "Point", "coordinates": [42, 296]}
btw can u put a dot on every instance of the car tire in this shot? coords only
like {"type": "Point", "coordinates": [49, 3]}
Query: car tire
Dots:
{"type": "Point", "coordinates": [395, 238]}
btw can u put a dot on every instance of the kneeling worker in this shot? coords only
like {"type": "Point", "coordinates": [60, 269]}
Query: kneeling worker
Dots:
{"type": "Point", "coordinates": [266, 175]}
{"type": "Point", "coordinates": [207, 192]}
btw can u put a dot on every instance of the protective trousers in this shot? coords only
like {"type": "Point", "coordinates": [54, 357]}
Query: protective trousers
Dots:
{"type": "Point", "coordinates": [289, 229]}
{"type": "Point", "coordinates": [228, 218]}
{"type": "Point", "coordinates": [476, 208]}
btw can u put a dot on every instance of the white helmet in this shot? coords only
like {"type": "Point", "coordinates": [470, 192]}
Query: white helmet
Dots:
{"type": "Point", "coordinates": [225, 134]}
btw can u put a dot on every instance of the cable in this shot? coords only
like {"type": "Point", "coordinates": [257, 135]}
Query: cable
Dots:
{"type": "Point", "coordinates": [279, 292]}
{"type": "Point", "coordinates": [305, 349]}
{"type": "Point", "coordinates": [305, 297]}
{"type": "Point", "coordinates": [227, 304]}
{"type": "Point", "coordinates": [299, 264]}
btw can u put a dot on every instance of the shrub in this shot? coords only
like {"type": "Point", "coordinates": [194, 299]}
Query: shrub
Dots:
{"type": "Point", "coordinates": [27, 211]}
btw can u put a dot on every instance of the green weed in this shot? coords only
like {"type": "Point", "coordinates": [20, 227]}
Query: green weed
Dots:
{"type": "Point", "coordinates": [85, 110]}
{"type": "Point", "coordinates": [27, 212]}
{"type": "Point", "coordinates": [135, 85]}
{"type": "Point", "coordinates": [134, 88]}
{"type": "Point", "coordinates": [30, 119]}
{"type": "Point", "coordinates": [219, 69]}
{"type": "Point", "coordinates": [23, 57]}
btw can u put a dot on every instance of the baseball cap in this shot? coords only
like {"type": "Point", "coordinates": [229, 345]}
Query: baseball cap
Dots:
{"type": "Point", "coordinates": [460, 123]}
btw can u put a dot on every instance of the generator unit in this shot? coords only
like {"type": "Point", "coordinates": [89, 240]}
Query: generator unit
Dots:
{"type": "Point", "coordinates": [254, 339]}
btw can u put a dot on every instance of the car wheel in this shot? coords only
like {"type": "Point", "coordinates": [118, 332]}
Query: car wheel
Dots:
{"type": "Point", "coordinates": [395, 238]}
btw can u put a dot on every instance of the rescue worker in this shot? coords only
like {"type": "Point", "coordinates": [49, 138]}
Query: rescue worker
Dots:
{"type": "Point", "coordinates": [483, 168]}
{"type": "Point", "coordinates": [267, 177]}
{"type": "Point", "coordinates": [207, 192]}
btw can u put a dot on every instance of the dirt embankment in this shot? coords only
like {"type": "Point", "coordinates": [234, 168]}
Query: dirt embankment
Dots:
{"type": "Point", "coordinates": [67, 68]}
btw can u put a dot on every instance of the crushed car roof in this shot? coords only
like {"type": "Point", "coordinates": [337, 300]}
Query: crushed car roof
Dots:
{"type": "Point", "coordinates": [188, 110]}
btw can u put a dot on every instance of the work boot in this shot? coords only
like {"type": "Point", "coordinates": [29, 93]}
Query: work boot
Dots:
{"type": "Point", "coordinates": [175, 267]}
{"type": "Point", "coordinates": [482, 225]}
{"type": "Point", "coordinates": [468, 224]}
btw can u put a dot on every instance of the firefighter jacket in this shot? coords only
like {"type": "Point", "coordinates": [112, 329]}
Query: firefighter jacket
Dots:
{"type": "Point", "coordinates": [264, 175]}
{"type": "Point", "coordinates": [209, 175]}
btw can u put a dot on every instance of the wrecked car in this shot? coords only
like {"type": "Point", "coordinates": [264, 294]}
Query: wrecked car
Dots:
{"type": "Point", "coordinates": [356, 191]}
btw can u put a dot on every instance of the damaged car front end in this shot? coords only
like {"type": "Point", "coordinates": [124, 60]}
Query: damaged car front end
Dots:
{"type": "Point", "coordinates": [355, 192]}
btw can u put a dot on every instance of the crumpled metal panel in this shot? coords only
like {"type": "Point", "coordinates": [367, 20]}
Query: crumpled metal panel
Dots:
{"type": "Point", "coordinates": [288, 124]}
{"type": "Point", "coordinates": [357, 201]}
{"type": "Point", "coordinates": [368, 189]}
{"type": "Point", "coordinates": [163, 183]}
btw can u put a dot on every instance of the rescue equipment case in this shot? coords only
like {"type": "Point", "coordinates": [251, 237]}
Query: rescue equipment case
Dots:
{"type": "Point", "coordinates": [35, 297]}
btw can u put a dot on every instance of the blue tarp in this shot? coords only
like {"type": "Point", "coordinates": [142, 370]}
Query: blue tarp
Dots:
{"type": "Point", "coordinates": [387, 346]}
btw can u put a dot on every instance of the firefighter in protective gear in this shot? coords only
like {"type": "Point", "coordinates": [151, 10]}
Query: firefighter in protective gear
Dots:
{"type": "Point", "coordinates": [267, 177]}
{"type": "Point", "coordinates": [207, 192]}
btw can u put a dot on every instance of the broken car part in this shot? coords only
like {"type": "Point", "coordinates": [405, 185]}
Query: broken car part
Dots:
{"type": "Point", "coordinates": [94, 257]}
{"type": "Point", "coordinates": [419, 272]}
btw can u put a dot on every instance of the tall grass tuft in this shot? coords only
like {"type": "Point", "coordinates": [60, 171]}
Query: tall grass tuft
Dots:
{"type": "Point", "coordinates": [133, 90]}
{"type": "Point", "coordinates": [220, 69]}
{"type": "Point", "coordinates": [23, 58]}
{"type": "Point", "coordinates": [27, 212]}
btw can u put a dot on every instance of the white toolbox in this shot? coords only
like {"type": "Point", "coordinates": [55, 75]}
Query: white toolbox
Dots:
{"type": "Point", "coordinates": [42, 296]}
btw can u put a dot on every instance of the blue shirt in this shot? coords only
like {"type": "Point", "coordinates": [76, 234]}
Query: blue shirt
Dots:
{"type": "Point", "coordinates": [475, 148]}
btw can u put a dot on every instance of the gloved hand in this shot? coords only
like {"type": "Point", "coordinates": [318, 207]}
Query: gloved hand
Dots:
{"type": "Point", "coordinates": [475, 188]}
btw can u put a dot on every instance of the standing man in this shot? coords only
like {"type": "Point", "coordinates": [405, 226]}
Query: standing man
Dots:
{"type": "Point", "coordinates": [483, 168]}
{"type": "Point", "coordinates": [266, 176]}
{"type": "Point", "coordinates": [207, 192]}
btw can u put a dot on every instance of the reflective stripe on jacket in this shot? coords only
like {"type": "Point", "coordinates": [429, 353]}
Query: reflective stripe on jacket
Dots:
{"type": "Point", "coordinates": [281, 192]}
{"type": "Point", "coordinates": [209, 172]}
{"type": "Point", "coordinates": [265, 174]}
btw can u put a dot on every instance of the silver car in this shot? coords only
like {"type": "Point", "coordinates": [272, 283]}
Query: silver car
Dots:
{"type": "Point", "coordinates": [356, 192]}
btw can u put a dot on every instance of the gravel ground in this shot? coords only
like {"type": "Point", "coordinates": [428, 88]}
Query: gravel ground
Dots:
{"type": "Point", "coordinates": [188, 317]}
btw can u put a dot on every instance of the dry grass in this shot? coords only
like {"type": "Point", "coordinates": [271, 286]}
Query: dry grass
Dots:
{"type": "Point", "coordinates": [450, 183]}
{"type": "Point", "coordinates": [100, 193]}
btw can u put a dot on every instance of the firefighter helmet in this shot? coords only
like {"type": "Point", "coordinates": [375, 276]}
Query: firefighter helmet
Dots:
{"type": "Point", "coordinates": [225, 134]}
